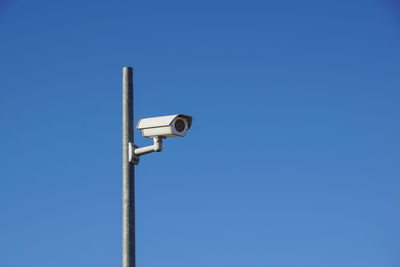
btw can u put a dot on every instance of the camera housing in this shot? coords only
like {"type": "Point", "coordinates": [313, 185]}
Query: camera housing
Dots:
{"type": "Point", "coordinates": [165, 126]}
{"type": "Point", "coordinates": [158, 128]}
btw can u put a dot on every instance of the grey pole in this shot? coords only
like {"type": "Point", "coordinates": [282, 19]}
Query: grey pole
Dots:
{"type": "Point", "coordinates": [128, 172]}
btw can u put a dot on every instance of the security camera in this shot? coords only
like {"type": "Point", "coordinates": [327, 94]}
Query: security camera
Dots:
{"type": "Point", "coordinates": [165, 126]}
{"type": "Point", "coordinates": [159, 128]}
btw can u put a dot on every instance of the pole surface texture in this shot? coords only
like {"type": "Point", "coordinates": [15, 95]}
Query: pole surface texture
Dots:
{"type": "Point", "coordinates": [128, 173]}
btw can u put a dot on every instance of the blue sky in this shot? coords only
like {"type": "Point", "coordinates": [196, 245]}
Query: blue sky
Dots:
{"type": "Point", "coordinates": [292, 160]}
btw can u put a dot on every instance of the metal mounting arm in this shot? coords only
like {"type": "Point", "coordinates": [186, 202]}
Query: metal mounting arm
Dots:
{"type": "Point", "coordinates": [135, 152]}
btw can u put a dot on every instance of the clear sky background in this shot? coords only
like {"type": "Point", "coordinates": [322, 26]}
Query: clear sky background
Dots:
{"type": "Point", "coordinates": [292, 160]}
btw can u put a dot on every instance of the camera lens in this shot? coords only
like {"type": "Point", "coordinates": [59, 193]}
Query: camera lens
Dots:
{"type": "Point", "coordinates": [180, 125]}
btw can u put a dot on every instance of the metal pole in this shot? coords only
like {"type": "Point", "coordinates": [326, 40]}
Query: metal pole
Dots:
{"type": "Point", "coordinates": [128, 173]}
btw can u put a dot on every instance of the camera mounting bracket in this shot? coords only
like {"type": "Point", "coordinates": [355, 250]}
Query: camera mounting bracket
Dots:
{"type": "Point", "coordinates": [135, 152]}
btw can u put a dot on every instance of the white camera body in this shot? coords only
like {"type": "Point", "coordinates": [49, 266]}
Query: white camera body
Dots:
{"type": "Point", "coordinates": [159, 128]}
{"type": "Point", "coordinates": [165, 126]}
